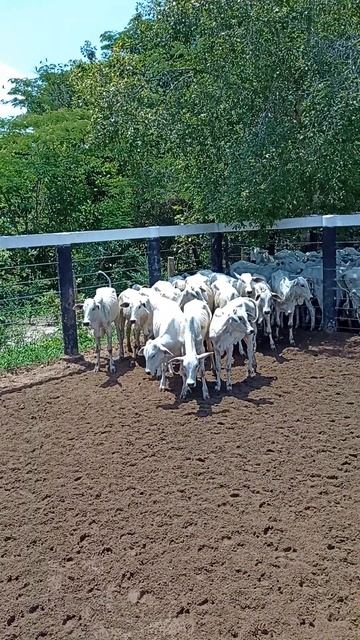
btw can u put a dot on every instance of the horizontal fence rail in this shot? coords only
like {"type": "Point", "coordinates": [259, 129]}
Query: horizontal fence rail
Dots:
{"type": "Point", "coordinates": [81, 237]}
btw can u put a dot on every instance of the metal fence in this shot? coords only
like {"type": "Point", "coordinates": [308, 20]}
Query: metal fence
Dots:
{"type": "Point", "coordinates": [42, 276]}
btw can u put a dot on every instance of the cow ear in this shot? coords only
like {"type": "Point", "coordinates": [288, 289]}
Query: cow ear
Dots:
{"type": "Point", "coordinates": [97, 305]}
{"type": "Point", "coordinates": [78, 306]}
{"type": "Point", "coordinates": [124, 305]}
{"type": "Point", "coordinates": [141, 351]}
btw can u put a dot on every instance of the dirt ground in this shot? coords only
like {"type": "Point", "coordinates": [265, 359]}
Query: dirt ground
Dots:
{"type": "Point", "coordinates": [126, 515]}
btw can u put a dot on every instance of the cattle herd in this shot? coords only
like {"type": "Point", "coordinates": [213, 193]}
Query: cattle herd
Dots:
{"type": "Point", "coordinates": [190, 318]}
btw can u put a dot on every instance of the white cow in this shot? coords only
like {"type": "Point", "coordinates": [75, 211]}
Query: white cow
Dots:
{"type": "Point", "coordinates": [264, 297]}
{"type": "Point", "coordinates": [246, 284]}
{"type": "Point", "coordinates": [197, 322]}
{"type": "Point", "coordinates": [229, 325]}
{"type": "Point", "coordinates": [197, 290]}
{"type": "Point", "coordinates": [168, 342]}
{"type": "Point", "coordinates": [100, 312]}
{"type": "Point", "coordinates": [290, 293]}
{"type": "Point", "coordinates": [178, 282]}
{"type": "Point", "coordinates": [224, 291]}
{"type": "Point", "coordinates": [260, 256]}
{"type": "Point", "coordinates": [166, 290]}
{"type": "Point", "coordinates": [136, 313]}
{"type": "Point", "coordinates": [349, 281]}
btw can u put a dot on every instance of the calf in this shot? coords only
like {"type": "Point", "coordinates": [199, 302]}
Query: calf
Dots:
{"type": "Point", "coordinates": [168, 329]}
{"type": "Point", "coordinates": [290, 293]}
{"type": "Point", "coordinates": [135, 313]}
{"type": "Point", "coordinates": [229, 325]}
{"type": "Point", "coordinates": [100, 312]}
{"type": "Point", "coordinates": [349, 281]}
{"type": "Point", "coordinates": [264, 297]}
{"type": "Point", "coordinates": [197, 322]}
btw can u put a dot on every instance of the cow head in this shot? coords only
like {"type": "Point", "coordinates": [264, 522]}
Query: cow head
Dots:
{"type": "Point", "coordinates": [155, 355]}
{"type": "Point", "coordinates": [190, 364]}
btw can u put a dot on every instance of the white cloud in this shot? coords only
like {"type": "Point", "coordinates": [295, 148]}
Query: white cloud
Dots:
{"type": "Point", "coordinates": [7, 72]}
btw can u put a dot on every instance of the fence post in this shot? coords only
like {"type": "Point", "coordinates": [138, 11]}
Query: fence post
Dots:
{"type": "Point", "coordinates": [154, 262]}
{"type": "Point", "coordinates": [217, 252]}
{"type": "Point", "coordinates": [170, 267]}
{"type": "Point", "coordinates": [226, 254]}
{"type": "Point", "coordinates": [67, 299]}
{"type": "Point", "coordinates": [329, 278]}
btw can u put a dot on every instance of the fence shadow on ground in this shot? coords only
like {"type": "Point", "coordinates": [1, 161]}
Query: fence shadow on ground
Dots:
{"type": "Point", "coordinates": [330, 345]}
{"type": "Point", "coordinates": [84, 364]}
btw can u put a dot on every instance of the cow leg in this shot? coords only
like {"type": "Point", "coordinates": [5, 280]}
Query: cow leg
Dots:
{"type": "Point", "coordinates": [290, 325]}
{"type": "Point", "coordinates": [277, 323]}
{"type": "Point", "coordinates": [218, 370]}
{"type": "Point", "coordinates": [109, 346]}
{"type": "Point", "coordinates": [136, 346]}
{"type": "Point", "coordinates": [118, 334]}
{"type": "Point", "coordinates": [241, 348]}
{"type": "Point", "coordinates": [205, 390]}
{"type": "Point", "coordinates": [229, 354]}
{"type": "Point", "coordinates": [209, 347]}
{"type": "Point", "coordinates": [163, 382]}
{"type": "Point", "coordinates": [251, 355]}
{"type": "Point", "coordinates": [185, 389]}
{"type": "Point", "coordinates": [97, 357]}
{"type": "Point", "coordinates": [121, 335]}
{"type": "Point", "coordinates": [128, 336]}
{"type": "Point", "coordinates": [269, 332]}
{"type": "Point", "coordinates": [297, 317]}
{"type": "Point", "coordinates": [311, 310]}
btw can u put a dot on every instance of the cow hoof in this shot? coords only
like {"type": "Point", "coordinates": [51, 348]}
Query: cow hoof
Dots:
{"type": "Point", "coordinates": [292, 343]}
{"type": "Point", "coordinates": [273, 347]}
{"type": "Point", "coordinates": [96, 368]}
{"type": "Point", "coordinates": [229, 387]}
{"type": "Point", "coordinates": [217, 387]}
{"type": "Point", "coordinates": [206, 396]}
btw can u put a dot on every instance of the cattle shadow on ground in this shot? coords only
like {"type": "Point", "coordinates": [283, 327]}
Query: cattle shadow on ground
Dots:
{"type": "Point", "coordinates": [124, 366]}
{"type": "Point", "coordinates": [240, 390]}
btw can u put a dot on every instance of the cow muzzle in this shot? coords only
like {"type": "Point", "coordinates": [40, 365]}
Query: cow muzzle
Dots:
{"type": "Point", "coordinates": [86, 324]}
{"type": "Point", "coordinates": [132, 322]}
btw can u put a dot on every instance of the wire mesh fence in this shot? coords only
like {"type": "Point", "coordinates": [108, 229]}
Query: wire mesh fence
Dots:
{"type": "Point", "coordinates": [29, 289]}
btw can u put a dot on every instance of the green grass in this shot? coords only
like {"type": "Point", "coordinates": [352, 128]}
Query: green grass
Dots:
{"type": "Point", "coordinates": [44, 350]}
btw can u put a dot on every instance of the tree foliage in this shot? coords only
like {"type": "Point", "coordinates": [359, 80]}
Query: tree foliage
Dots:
{"type": "Point", "coordinates": [225, 110]}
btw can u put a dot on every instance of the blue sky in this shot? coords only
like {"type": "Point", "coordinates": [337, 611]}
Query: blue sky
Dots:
{"type": "Point", "coordinates": [35, 30]}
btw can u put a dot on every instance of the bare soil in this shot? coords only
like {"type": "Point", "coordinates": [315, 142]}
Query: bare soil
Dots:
{"type": "Point", "coordinates": [128, 515]}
